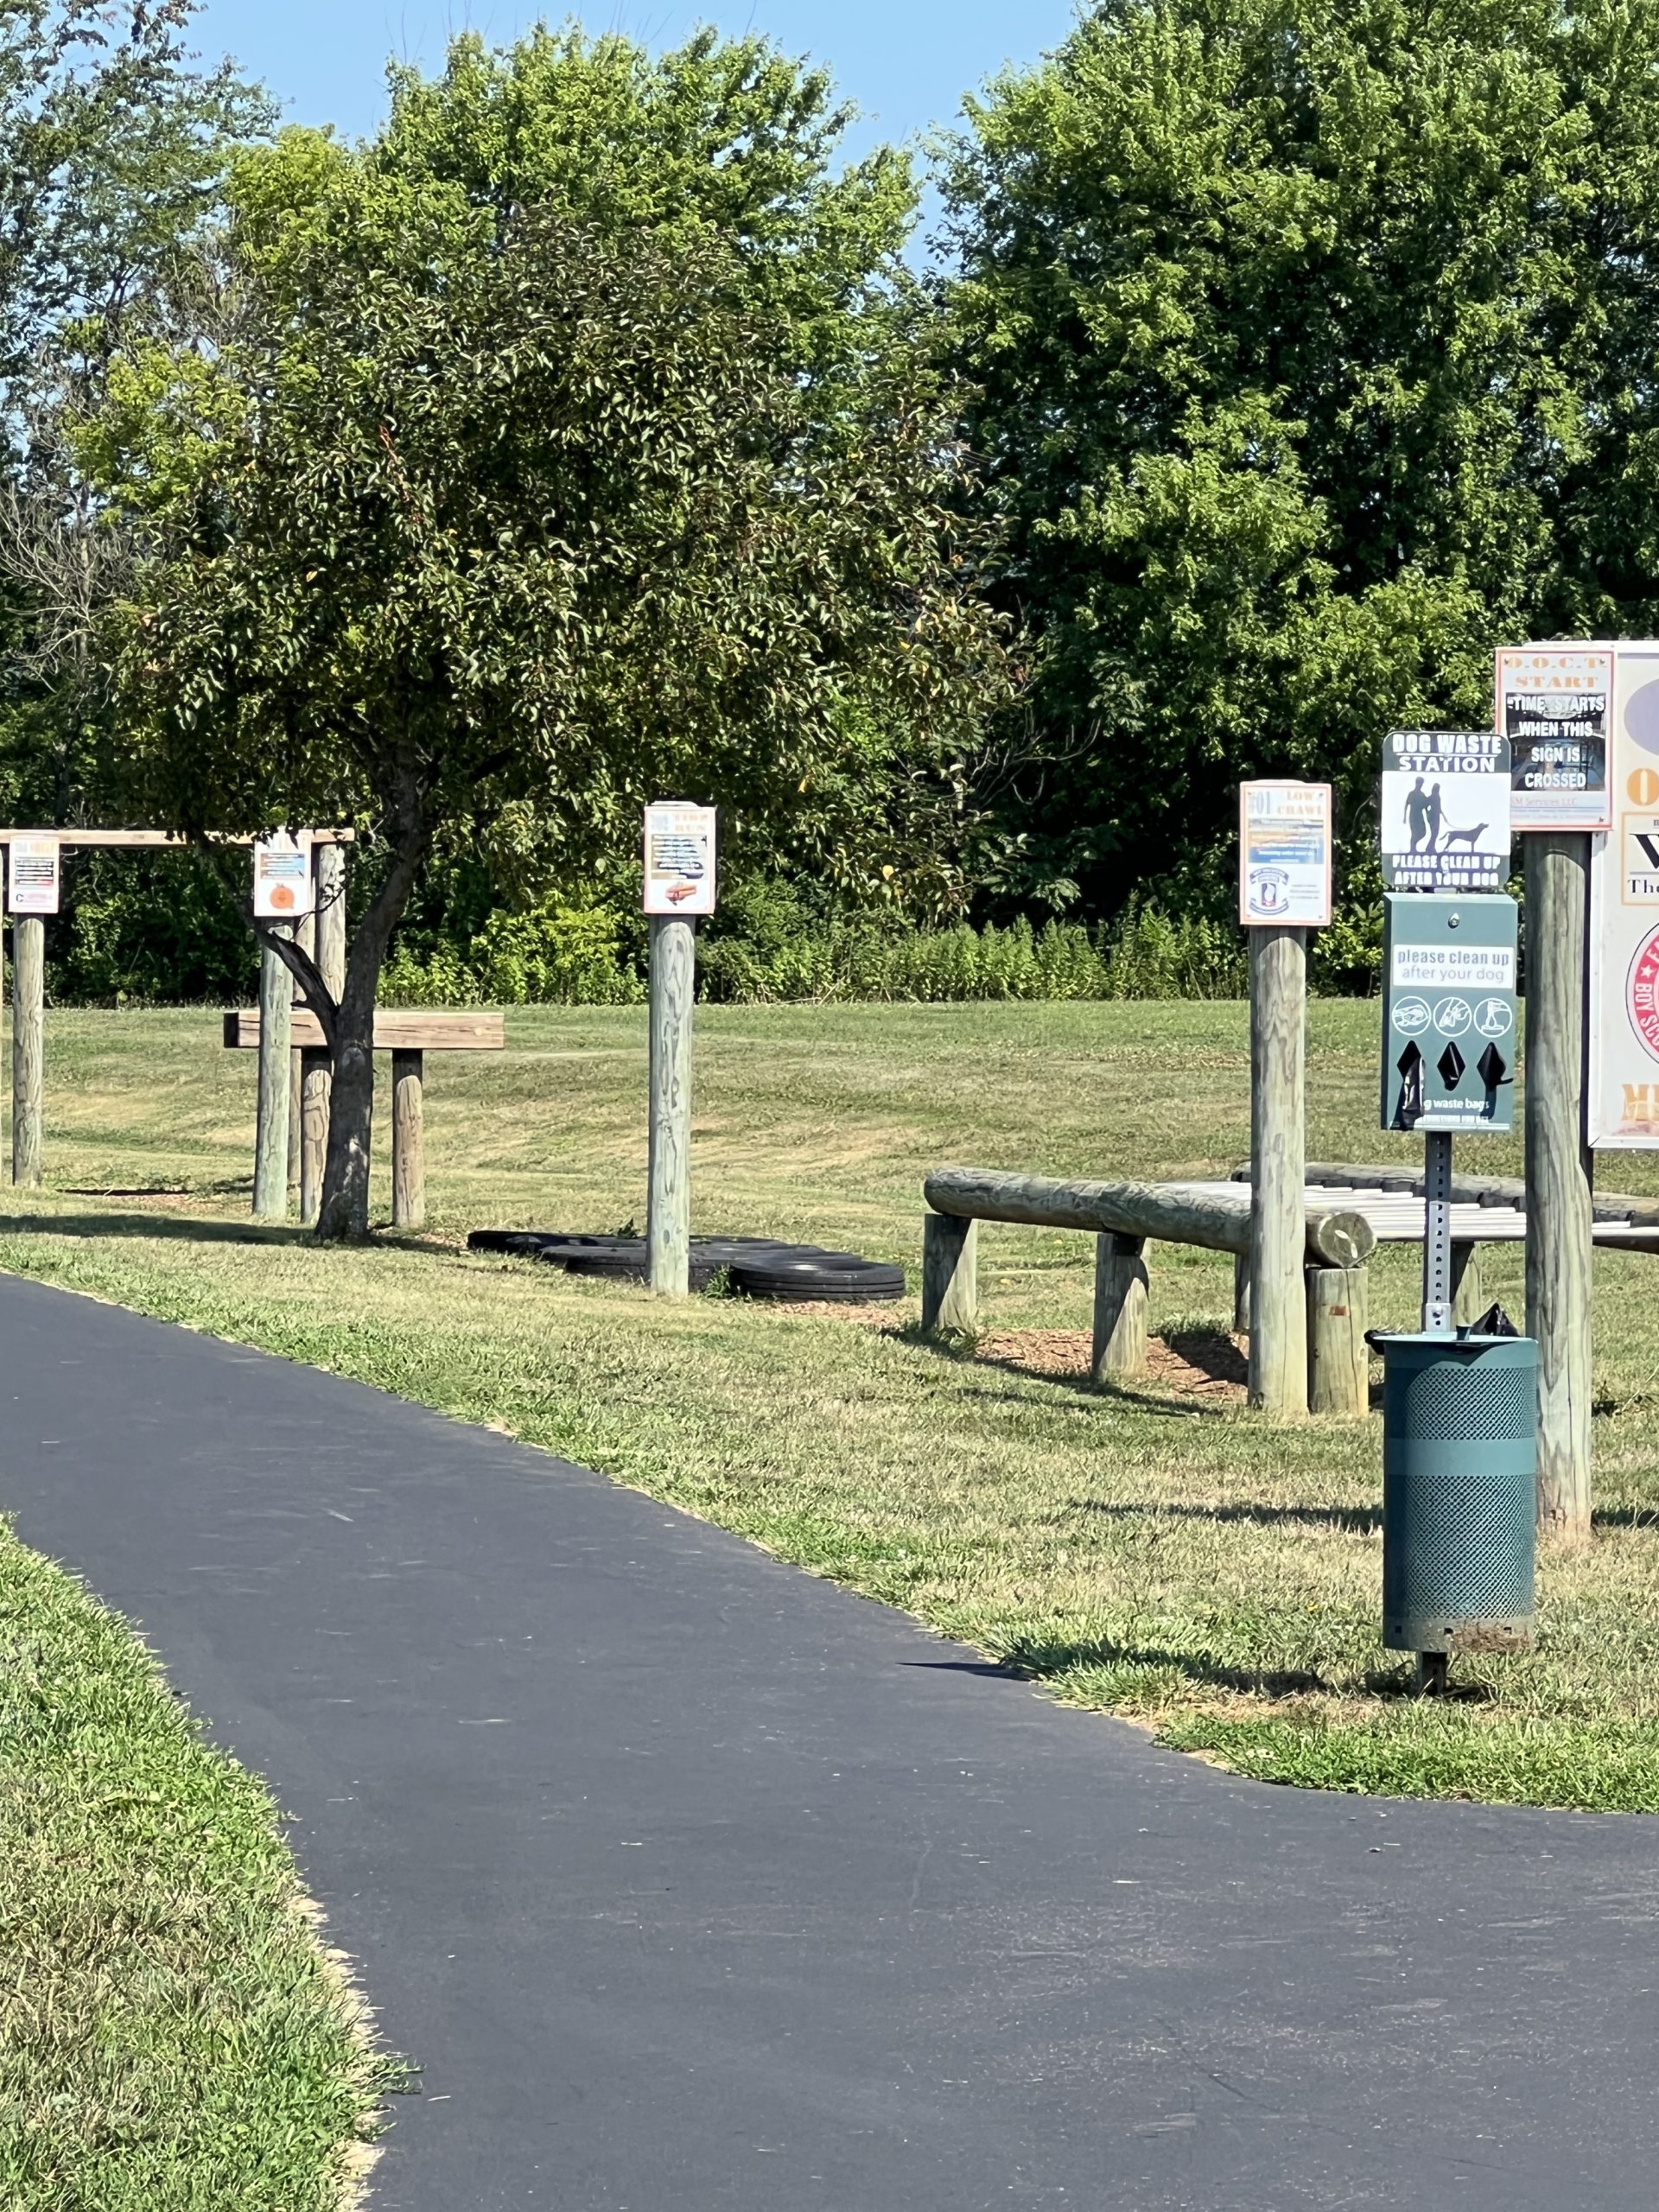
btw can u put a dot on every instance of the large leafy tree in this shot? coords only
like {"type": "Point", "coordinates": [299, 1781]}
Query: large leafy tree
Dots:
{"type": "Point", "coordinates": [1317, 353]}
{"type": "Point", "coordinates": [554, 452]}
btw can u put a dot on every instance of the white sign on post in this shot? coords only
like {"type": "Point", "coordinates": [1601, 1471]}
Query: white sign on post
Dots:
{"type": "Point", "coordinates": [32, 878]}
{"type": "Point", "coordinates": [1445, 809]}
{"type": "Point", "coordinates": [281, 877]}
{"type": "Point", "coordinates": [1284, 855]}
{"type": "Point", "coordinates": [1554, 705]}
{"type": "Point", "coordinates": [679, 860]}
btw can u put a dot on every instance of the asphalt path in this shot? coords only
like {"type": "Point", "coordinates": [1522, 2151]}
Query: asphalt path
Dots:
{"type": "Point", "coordinates": [693, 1883]}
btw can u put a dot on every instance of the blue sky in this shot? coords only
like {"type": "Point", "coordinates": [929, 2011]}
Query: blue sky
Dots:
{"type": "Point", "coordinates": [905, 62]}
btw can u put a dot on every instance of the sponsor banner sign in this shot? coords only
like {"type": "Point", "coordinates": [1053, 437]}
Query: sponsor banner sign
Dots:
{"type": "Point", "coordinates": [1450, 1022]}
{"type": "Point", "coordinates": [1284, 855]}
{"type": "Point", "coordinates": [1555, 706]}
{"type": "Point", "coordinates": [33, 874]}
{"type": "Point", "coordinates": [679, 860]}
{"type": "Point", "coordinates": [1621, 1102]}
{"type": "Point", "coordinates": [281, 877]}
{"type": "Point", "coordinates": [1445, 809]}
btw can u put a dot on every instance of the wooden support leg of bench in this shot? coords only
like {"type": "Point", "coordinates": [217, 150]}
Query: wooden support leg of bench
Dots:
{"type": "Point", "coordinates": [1467, 1303]}
{"type": "Point", "coordinates": [949, 1274]}
{"type": "Point", "coordinates": [1120, 1352]}
{"type": "Point", "coordinates": [408, 1142]}
{"type": "Point", "coordinates": [1338, 1358]}
{"type": "Point", "coordinates": [1241, 1293]}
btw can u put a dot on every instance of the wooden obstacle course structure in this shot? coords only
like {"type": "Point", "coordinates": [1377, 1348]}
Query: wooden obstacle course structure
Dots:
{"type": "Point", "coordinates": [408, 1036]}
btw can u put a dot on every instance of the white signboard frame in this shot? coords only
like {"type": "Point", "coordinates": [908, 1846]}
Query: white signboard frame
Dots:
{"type": "Point", "coordinates": [282, 888]}
{"type": "Point", "coordinates": [33, 875]}
{"type": "Point", "coordinates": [1555, 704]}
{"type": "Point", "coordinates": [680, 854]}
{"type": "Point", "coordinates": [1622, 1094]}
{"type": "Point", "coordinates": [1284, 855]}
{"type": "Point", "coordinates": [1446, 811]}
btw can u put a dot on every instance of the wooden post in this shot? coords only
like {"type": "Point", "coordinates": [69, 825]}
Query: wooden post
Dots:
{"type": "Point", "coordinates": [1338, 1358]}
{"type": "Point", "coordinates": [315, 1074]}
{"type": "Point", "coordinates": [270, 1136]}
{"type": "Point", "coordinates": [408, 1142]}
{"type": "Point", "coordinates": [1560, 1250]}
{"type": "Point", "coordinates": [1278, 1158]}
{"type": "Point", "coordinates": [306, 934]}
{"type": "Point", "coordinates": [949, 1274]}
{"type": "Point", "coordinates": [27, 1046]}
{"type": "Point", "coordinates": [1120, 1347]}
{"type": "Point", "coordinates": [673, 979]}
{"type": "Point", "coordinates": [1241, 1293]}
{"type": "Point", "coordinates": [1467, 1303]}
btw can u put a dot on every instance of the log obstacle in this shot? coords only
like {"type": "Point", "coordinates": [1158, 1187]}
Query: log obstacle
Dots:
{"type": "Point", "coordinates": [408, 1037]}
{"type": "Point", "coordinates": [1336, 1242]}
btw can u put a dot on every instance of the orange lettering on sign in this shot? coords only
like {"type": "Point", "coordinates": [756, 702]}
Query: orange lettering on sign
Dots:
{"type": "Point", "coordinates": [1643, 786]}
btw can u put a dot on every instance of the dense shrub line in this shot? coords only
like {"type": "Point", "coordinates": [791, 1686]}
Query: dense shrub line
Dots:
{"type": "Point", "coordinates": [562, 956]}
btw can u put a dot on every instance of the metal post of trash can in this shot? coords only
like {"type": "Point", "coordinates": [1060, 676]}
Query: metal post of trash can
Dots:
{"type": "Point", "coordinates": [1437, 1232]}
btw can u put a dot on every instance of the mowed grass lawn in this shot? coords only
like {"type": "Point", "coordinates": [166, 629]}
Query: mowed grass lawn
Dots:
{"type": "Point", "coordinates": [1155, 1551]}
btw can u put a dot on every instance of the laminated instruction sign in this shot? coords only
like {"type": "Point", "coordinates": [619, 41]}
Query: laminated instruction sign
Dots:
{"type": "Point", "coordinates": [1284, 855]}
{"type": "Point", "coordinates": [281, 877]}
{"type": "Point", "coordinates": [1554, 705]}
{"type": "Point", "coordinates": [1450, 1021]}
{"type": "Point", "coordinates": [1622, 1103]}
{"type": "Point", "coordinates": [1445, 809]}
{"type": "Point", "coordinates": [679, 860]}
{"type": "Point", "coordinates": [32, 875]}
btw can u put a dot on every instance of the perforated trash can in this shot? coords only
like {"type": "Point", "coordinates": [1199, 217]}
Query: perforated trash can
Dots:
{"type": "Point", "coordinates": [1459, 1471]}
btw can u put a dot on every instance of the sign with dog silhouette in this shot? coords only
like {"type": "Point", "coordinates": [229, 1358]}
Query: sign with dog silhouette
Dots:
{"type": "Point", "coordinates": [1445, 809]}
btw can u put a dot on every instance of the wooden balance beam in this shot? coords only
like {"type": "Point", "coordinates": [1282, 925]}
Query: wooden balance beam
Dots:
{"type": "Point", "coordinates": [409, 1036]}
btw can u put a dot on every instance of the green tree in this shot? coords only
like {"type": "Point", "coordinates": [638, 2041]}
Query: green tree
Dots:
{"type": "Point", "coordinates": [485, 499]}
{"type": "Point", "coordinates": [1316, 354]}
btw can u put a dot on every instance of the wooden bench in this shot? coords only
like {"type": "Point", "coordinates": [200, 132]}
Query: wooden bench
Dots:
{"type": "Point", "coordinates": [409, 1036]}
{"type": "Point", "coordinates": [1347, 1212]}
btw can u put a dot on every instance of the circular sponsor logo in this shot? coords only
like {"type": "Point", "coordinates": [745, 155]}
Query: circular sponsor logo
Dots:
{"type": "Point", "coordinates": [1411, 1016]}
{"type": "Point", "coordinates": [1269, 891]}
{"type": "Point", "coordinates": [1453, 1016]}
{"type": "Point", "coordinates": [1494, 1017]}
{"type": "Point", "coordinates": [1642, 993]}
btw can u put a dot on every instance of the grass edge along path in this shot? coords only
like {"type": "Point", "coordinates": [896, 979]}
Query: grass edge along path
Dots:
{"type": "Point", "coordinates": [692, 1406]}
{"type": "Point", "coordinates": [174, 2030]}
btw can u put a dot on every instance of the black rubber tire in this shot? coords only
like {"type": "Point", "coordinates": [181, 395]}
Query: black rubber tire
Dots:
{"type": "Point", "coordinates": [514, 1243]}
{"type": "Point", "coordinates": [803, 1282]}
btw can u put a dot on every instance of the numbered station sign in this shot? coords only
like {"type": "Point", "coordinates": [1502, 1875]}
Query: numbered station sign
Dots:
{"type": "Point", "coordinates": [1445, 809]}
{"type": "Point", "coordinates": [1284, 855]}
{"type": "Point", "coordinates": [679, 860]}
{"type": "Point", "coordinates": [1554, 705]}
{"type": "Point", "coordinates": [281, 877]}
{"type": "Point", "coordinates": [34, 874]}
{"type": "Point", "coordinates": [1450, 1024]}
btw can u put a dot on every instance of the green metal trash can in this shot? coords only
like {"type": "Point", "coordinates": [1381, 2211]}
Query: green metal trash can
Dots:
{"type": "Point", "coordinates": [1459, 1507]}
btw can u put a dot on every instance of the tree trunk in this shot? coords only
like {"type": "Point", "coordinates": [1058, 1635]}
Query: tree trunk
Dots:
{"type": "Point", "coordinates": [344, 1212]}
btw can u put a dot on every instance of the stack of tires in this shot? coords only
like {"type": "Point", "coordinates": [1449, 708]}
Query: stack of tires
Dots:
{"type": "Point", "coordinates": [755, 1267]}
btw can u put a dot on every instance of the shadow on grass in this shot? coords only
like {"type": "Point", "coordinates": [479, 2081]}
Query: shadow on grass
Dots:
{"type": "Point", "coordinates": [1043, 1661]}
{"type": "Point", "coordinates": [161, 1225]}
{"type": "Point", "coordinates": [1353, 1520]}
{"type": "Point", "coordinates": [965, 1351]}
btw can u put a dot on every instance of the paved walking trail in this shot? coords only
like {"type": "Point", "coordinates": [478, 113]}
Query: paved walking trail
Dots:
{"type": "Point", "coordinates": [698, 1885]}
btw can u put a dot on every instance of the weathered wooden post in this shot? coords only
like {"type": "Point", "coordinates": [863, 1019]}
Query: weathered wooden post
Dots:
{"type": "Point", "coordinates": [408, 1142]}
{"type": "Point", "coordinates": [27, 1046]}
{"type": "Point", "coordinates": [1278, 1159]}
{"type": "Point", "coordinates": [275, 1030]}
{"type": "Point", "coordinates": [950, 1274]}
{"type": "Point", "coordinates": [306, 937]}
{"type": "Point", "coordinates": [1560, 1219]}
{"type": "Point", "coordinates": [1339, 1358]}
{"type": "Point", "coordinates": [679, 854]}
{"type": "Point", "coordinates": [316, 1078]}
{"type": "Point", "coordinates": [673, 984]}
{"type": "Point", "coordinates": [1119, 1335]}
{"type": "Point", "coordinates": [1284, 889]}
